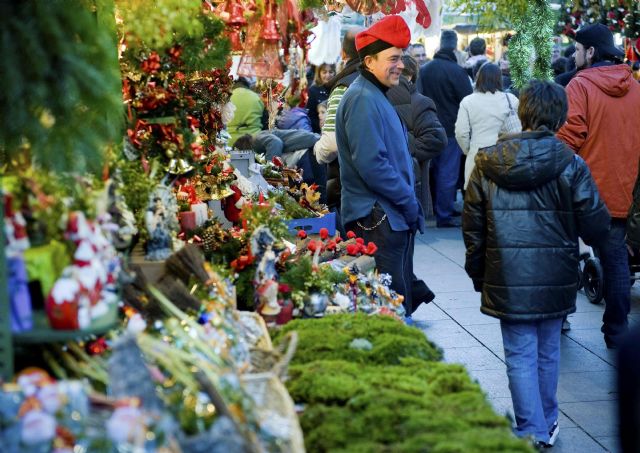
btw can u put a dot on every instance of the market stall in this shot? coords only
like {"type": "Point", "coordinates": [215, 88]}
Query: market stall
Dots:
{"type": "Point", "coordinates": [144, 260]}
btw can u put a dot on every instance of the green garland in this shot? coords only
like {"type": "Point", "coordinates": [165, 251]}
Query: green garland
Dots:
{"type": "Point", "coordinates": [532, 43]}
{"type": "Point", "coordinates": [61, 98]}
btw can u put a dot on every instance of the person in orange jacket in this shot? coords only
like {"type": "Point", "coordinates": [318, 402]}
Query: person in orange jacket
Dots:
{"type": "Point", "coordinates": [604, 104]}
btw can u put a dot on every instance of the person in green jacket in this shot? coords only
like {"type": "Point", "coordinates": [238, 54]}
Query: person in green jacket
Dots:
{"type": "Point", "coordinates": [250, 115]}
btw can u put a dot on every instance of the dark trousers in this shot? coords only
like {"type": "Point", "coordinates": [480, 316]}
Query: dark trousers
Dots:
{"type": "Point", "coordinates": [395, 251]}
{"type": "Point", "coordinates": [444, 171]}
{"type": "Point", "coordinates": [617, 286]}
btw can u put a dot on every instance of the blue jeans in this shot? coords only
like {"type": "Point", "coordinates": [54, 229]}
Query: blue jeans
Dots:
{"type": "Point", "coordinates": [617, 286]}
{"type": "Point", "coordinates": [532, 353]}
{"type": "Point", "coordinates": [445, 169]}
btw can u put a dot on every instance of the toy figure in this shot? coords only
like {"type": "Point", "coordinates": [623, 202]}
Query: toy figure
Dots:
{"type": "Point", "coordinates": [160, 220]}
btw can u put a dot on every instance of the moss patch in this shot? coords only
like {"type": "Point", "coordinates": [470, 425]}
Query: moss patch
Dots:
{"type": "Point", "coordinates": [394, 397]}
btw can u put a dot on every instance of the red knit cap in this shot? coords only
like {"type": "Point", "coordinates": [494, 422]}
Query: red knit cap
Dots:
{"type": "Point", "coordinates": [392, 30]}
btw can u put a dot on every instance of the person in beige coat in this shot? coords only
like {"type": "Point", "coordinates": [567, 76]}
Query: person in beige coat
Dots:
{"type": "Point", "coordinates": [484, 115]}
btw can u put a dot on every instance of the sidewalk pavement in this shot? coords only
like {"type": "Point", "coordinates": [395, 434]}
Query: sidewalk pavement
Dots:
{"type": "Point", "coordinates": [587, 391]}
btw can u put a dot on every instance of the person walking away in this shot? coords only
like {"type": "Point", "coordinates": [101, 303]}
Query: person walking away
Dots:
{"type": "Point", "coordinates": [477, 56]}
{"type": "Point", "coordinates": [446, 83]}
{"type": "Point", "coordinates": [528, 200]}
{"type": "Point", "coordinates": [484, 115]}
{"type": "Point", "coordinates": [376, 171]}
{"type": "Point", "coordinates": [604, 104]}
{"type": "Point", "coordinates": [427, 139]}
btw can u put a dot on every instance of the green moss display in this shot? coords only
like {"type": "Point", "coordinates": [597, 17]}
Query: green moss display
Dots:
{"type": "Point", "coordinates": [391, 340]}
{"type": "Point", "coordinates": [393, 397]}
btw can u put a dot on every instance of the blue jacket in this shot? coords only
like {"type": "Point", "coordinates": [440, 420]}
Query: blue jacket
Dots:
{"type": "Point", "coordinates": [375, 164]}
{"type": "Point", "coordinates": [296, 118]}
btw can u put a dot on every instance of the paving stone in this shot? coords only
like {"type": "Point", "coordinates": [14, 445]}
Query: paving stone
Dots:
{"type": "Point", "coordinates": [575, 440]}
{"type": "Point", "coordinates": [447, 334]}
{"type": "Point", "coordinates": [598, 418]}
{"type": "Point", "coordinates": [579, 359]}
{"type": "Point", "coordinates": [611, 443]}
{"type": "Point", "coordinates": [593, 341]}
{"type": "Point", "coordinates": [472, 316]}
{"type": "Point", "coordinates": [587, 386]}
{"type": "Point", "coordinates": [474, 358]}
{"type": "Point", "coordinates": [458, 299]}
{"type": "Point", "coordinates": [429, 312]}
{"type": "Point", "coordinates": [493, 382]}
{"type": "Point", "coordinates": [586, 320]}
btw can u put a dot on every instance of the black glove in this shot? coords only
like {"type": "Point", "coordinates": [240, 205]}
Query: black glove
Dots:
{"type": "Point", "coordinates": [477, 285]}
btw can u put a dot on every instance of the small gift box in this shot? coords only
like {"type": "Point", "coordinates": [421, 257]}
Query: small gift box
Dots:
{"type": "Point", "coordinates": [202, 212]}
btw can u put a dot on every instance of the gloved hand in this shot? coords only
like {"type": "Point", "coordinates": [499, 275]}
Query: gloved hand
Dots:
{"type": "Point", "coordinates": [477, 285]}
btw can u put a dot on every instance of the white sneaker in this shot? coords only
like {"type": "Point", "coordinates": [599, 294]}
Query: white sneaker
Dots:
{"type": "Point", "coordinates": [553, 433]}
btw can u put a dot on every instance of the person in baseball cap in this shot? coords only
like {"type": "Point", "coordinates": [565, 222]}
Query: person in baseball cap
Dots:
{"type": "Point", "coordinates": [391, 32]}
{"type": "Point", "coordinates": [594, 44]}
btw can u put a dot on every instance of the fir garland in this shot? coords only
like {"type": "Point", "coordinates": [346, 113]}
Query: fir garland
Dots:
{"type": "Point", "coordinates": [530, 49]}
{"type": "Point", "coordinates": [60, 83]}
{"type": "Point", "coordinates": [632, 21]}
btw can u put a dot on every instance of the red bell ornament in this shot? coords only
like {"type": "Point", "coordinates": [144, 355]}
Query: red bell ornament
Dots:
{"type": "Point", "coordinates": [236, 16]}
{"type": "Point", "coordinates": [269, 28]}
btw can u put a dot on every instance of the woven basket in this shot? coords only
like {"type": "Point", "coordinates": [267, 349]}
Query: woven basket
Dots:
{"type": "Point", "coordinates": [264, 342]}
{"type": "Point", "coordinates": [275, 406]}
{"type": "Point", "coordinates": [275, 360]}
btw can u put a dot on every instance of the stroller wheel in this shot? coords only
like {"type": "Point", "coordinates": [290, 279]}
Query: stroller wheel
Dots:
{"type": "Point", "coordinates": [592, 280]}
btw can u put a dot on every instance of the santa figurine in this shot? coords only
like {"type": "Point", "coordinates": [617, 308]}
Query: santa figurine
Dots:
{"type": "Point", "coordinates": [91, 273]}
{"type": "Point", "coordinates": [78, 227]}
{"type": "Point", "coordinates": [66, 306]}
{"type": "Point", "coordinates": [232, 205]}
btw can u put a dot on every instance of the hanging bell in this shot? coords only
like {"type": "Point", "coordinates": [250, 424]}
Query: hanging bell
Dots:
{"type": "Point", "coordinates": [179, 167]}
{"type": "Point", "coordinates": [173, 165]}
{"type": "Point", "coordinates": [234, 39]}
{"type": "Point", "coordinates": [269, 29]}
{"type": "Point", "coordinates": [236, 16]}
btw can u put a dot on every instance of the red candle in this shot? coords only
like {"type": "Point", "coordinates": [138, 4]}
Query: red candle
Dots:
{"type": "Point", "coordinates": [187, 220]}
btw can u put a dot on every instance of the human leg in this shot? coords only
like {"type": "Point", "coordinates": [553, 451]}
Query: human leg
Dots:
{"type": "Point", "coordinates": [617, 287]}
{"type": "Point", "coordinates": [549, 332]}
{"type": "Point", "coordinates": [521, 356]}
{"type": "Point", "coordinates": [446, 177]}
{"type": "Point", "coordinates": [393, 250]}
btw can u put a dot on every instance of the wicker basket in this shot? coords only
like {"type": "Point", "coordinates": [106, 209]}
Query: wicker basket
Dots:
{"type": "Point", "coordinates": [275, 360]}
{"type": "Point", "coordinates": [264, 341]}
{"type": "Point", "coordinates": [275, 408]}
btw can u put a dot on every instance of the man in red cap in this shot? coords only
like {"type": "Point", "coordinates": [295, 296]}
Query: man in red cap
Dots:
{"type": "Point", "coordinates": [376, 169]}
{"type": "Point", "coordinates": [601, 127]}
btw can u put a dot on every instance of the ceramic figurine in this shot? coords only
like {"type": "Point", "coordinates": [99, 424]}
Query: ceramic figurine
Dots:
{"type": "Point", "coordinates": [161, 221]}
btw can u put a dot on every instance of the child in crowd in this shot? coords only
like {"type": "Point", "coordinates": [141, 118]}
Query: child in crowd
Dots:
{"type": "Point", "coordinates": [528, 199]}
{"type": "Point", "coordinates": [322, 112]}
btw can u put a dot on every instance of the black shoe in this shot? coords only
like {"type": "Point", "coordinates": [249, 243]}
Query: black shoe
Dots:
{"type": "Point", "coordinates": [456, 214]}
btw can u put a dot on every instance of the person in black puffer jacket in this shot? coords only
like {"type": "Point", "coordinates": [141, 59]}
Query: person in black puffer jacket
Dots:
{"type": "Point", "coordinates": [528, 199]}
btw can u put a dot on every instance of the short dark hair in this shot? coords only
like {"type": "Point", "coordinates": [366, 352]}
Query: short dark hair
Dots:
{"type": "Point", "coordinates": [569, 50]}
{"type": "Point", "coordinates": [477, 46]}
{"type": "Point", "coordinates": [542, 104]}
{"type": "Point", "coordinates": [349, 42]}
{"type": "Point", "coordinates": [489, 78]}
{"type": "Point", "coordinates": [244, 142]}
{"type": "Point", "coordinates": [559, 66]}
{"type": "Point", "coordinates": [410, 67]}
